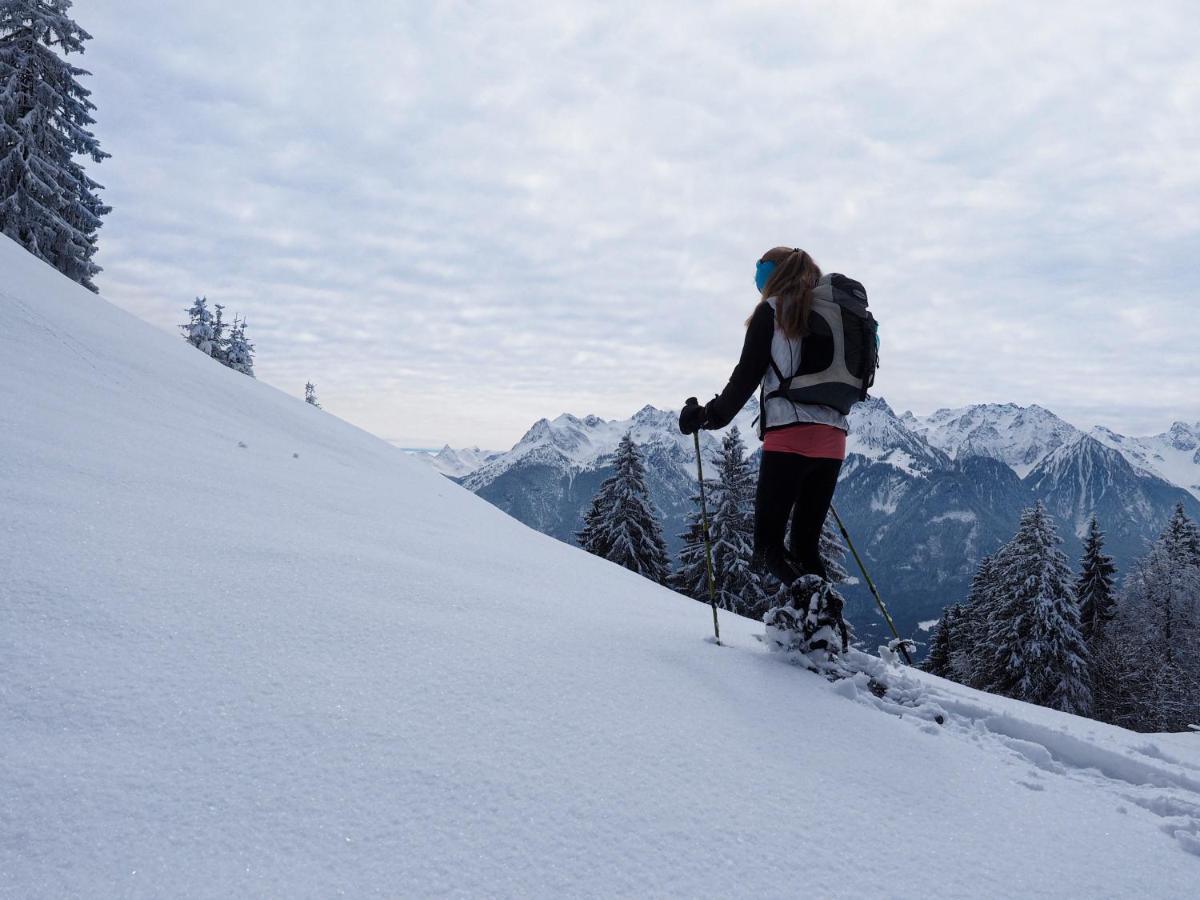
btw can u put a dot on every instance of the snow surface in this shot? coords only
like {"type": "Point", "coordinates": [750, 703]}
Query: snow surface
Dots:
{"type": "Point", "coordinates": [250, 650]}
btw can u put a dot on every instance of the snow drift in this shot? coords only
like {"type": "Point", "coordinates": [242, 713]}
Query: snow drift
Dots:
{"type": "Point", "coordinates": [248, 649]}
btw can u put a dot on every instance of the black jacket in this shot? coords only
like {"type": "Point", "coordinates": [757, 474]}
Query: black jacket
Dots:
{"type": "Point", "coordinates": [749, 372]}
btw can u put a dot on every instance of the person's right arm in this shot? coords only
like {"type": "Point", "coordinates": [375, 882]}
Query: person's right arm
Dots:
{"type": "Point", "coordinates": [756, 357]}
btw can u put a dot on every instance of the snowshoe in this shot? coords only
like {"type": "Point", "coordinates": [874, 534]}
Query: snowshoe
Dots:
{"type": "Point", "coordinates": [810, 623]}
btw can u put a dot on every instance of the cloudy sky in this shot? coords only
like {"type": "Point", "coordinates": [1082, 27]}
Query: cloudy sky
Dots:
{"type": "Point", "coordinates": [458, 217]}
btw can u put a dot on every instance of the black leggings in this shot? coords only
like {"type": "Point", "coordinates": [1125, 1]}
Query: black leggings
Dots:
{"type": "Point", "coordinates": [800, 487]}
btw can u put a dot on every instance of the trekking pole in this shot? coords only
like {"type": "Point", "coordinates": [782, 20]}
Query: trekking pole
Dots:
{"type": "Point", "coordinates": [871, 584]}
{"type": "Point", "coordinates": [712, 587]}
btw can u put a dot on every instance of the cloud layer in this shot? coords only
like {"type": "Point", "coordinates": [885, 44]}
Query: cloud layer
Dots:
{"type": "Point", "coordinates": [459, 217]}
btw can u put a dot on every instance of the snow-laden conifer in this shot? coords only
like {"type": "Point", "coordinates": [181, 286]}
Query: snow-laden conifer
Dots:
{"type": "Point", "coordinates": [1154, 642]}
{"type": "Point", "coordinates": [622, 524]}
{"type": "Point", "coordinates": [1095, 587]}
{"type": "Point", "coordinates": [591, 535]}
{"type": "Point", "coordinates": [973, 620]}
{"type": "Point", "coordinates": [239, 352]}
{"type": "Point", "coordinates": [220, 343]}
{"type": "Point", "coordinates": [198, 330]}
{"type": "Point", "coordinates": [1164, 592]}
{"type": "Point", "coordinates": [740, 587]}
{"type": "Point", "coordinates": [941, 647]}
{"type": "Point", "coordinates": [1184, 535]}
{"type": "Point", "coordinates": [310, 394]}
{"type": "Point", "coordinates": [1032, 649]}
{"type": "Point", "coordinates": [690, 577]}
{"type": "Point", "coordinates": [48, 204]}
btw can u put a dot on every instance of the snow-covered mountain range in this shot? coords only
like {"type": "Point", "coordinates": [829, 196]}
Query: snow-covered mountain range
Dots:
{"type": "Point", "coordinates": [546, 479]}
{"type": "Point", "coordinates": [459, 463]}
{"type": "Point", "coordinates": [1020, 437]}
{"type": "Point", "coordinates": [926, 496]}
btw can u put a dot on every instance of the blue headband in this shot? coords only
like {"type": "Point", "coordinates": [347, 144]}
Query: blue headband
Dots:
{"type": "Point", "coordinates": [762, 274]}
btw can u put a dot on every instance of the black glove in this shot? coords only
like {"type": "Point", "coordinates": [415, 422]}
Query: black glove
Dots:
{"type": "Point", "coordinates": [692, 416]}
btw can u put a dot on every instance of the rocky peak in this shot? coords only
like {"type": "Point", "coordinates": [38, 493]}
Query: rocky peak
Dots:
{"type": "Point", "coordinates": [1182, 436]}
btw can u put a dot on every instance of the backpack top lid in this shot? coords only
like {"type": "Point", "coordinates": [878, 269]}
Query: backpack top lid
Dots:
{"type": "Point", "coordinates": [846, 292]}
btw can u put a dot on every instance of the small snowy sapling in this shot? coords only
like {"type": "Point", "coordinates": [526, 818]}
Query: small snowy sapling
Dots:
{"type": "Point", "coordinates": [198, 330]}
{"type": "Point", "coordinates": [240, 352]}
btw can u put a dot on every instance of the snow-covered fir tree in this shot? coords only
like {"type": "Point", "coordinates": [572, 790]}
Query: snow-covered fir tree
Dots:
{"type": "Point", "coordinates": [220, 343]}
{"type": "Point", "coordinates": [1184, 534]}
{"type": "Point", "coordinates": [48, 204]}
{"type": "Point", "coordinates": [974, 618]}
{"type": "Point", "coordinates": [198, 330]}
{"type": "Point", "coordinates": [1032, 649]}
{"type": "Point", "coordinates": [941, 646]}
{"type": "Point", "coordinates": [622, 524]}
{"type": "Point", "coordinates": [1165, 586]}
{"type": "Point", "coordinates": [239, 352]}
{"type": "Point", "coordinates": [310, 394]}
{"type": "Point", "coordinates": [690, 577]}
{"type": "Point", "coordinates": [1096, 593]}
{"type": "Point", "coordinates": [591, 536]}
{"type": "Point", "coordinates": [739, 587]}
{"type": "Point", "coordinates": [1153, 651]}
{"type": "Point", "coordinates": [1095, 587]}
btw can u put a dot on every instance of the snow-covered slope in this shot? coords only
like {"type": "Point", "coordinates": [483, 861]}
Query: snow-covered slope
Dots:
{"type": "Point", "coordinates": [1173, 456]}
{"type": "Point", "coordinates": [249, 650]}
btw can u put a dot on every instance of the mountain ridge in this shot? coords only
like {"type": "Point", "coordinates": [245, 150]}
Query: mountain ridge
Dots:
{"type": "Point", "coordinates": [943, 435]}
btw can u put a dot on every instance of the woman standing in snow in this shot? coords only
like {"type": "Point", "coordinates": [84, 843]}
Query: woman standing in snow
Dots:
{"type": "Point", "coordinates": [810, 348]}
